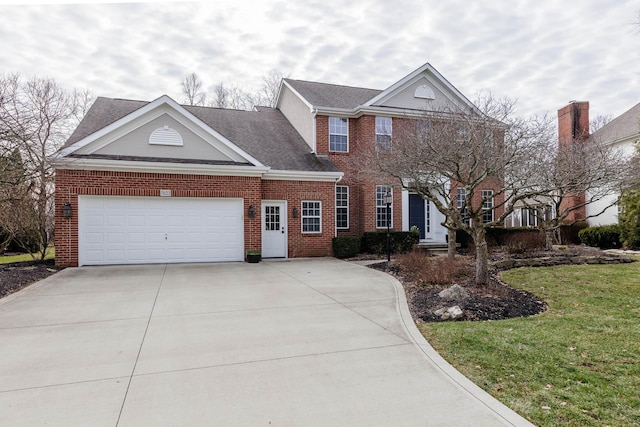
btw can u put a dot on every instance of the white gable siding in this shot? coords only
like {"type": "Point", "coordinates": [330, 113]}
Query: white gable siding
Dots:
{"type": "Point", "coordinates": [405, 98]}
{"type": "Point", "coordinates": [298, 113]}
{"type": "Point", "coordinates": [136, 143]}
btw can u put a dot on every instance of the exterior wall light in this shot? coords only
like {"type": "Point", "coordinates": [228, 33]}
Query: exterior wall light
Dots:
{"type": "Point", "coordinates": [252, 211]}
{"type": "Point", "coordinates": [295, 212]}
{"type": "Point", "coordinates": [67, 211]}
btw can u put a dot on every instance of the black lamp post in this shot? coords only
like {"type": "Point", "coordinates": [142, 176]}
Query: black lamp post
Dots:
{"type": "Point", "coordinates": [388, 199]}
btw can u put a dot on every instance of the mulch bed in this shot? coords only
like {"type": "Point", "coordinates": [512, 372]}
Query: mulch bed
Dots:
{"type": "Point", "coordinates": [14, 277]}
{"type": "Point", "coordinates": [494, 301]}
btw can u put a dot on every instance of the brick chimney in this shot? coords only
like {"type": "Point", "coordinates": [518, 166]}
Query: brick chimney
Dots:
{"type": "Point", "coordinates": [573, 122]}
{"type": "Point", "coordinates": [573, 128]}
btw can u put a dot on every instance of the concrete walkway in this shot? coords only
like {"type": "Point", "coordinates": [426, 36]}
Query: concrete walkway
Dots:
{"type": "Point", "coordinates": [315, 342]}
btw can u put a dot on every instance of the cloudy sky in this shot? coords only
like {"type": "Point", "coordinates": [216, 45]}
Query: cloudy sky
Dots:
{"type": "Point", "coordinates": [543, 53]}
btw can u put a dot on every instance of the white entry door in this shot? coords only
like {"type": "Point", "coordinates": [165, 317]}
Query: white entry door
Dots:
{"type": "Point", "coordinates": [274, 229]}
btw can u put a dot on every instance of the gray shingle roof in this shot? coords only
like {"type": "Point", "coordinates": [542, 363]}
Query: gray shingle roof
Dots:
{"type": "Point", "coordinates": [623, 126]}
{"type": "Point", "coordinates": [332, 96]}
{"type": "Point", "coordinates": [265, 134]}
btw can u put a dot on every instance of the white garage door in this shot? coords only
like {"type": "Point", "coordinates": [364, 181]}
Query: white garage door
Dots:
{"type": "Point", "coordinates": [139, 230]}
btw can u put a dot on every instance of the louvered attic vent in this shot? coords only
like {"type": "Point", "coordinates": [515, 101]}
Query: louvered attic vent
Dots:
{"type": "Point", "coordinates": [165, 136]}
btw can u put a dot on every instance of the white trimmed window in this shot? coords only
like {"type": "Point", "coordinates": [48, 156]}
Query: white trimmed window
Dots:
{"type": "Point", "coordinates": [311, 216]}
{"type": "Point", "coordinates": [342, 207]}
{"type": "Point", "coordinates": [461, 197]}
{"type": "Point", "coordinates": [487, 206]}
{"type": "Point", "coordinates": [381, 207]}
{"type": "Point", "coordinates": [533, 216]}
{"type": "Point", "coordinates": [338, 134]}
{"type": "Point", "coordinates": [384, 130]}
{"type": "Point", "coordinates": [529, 217]}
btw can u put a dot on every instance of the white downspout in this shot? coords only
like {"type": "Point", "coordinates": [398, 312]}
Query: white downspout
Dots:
{"type": "Point", "coordinates": [314, 112]}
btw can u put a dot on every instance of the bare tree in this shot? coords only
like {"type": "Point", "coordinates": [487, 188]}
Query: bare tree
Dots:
{"type": "Point", "coordinates": [82, 101]}
{"type": "Point", "coordinates": [239, 99]}
{"type": "Point", "coordinates": [599, 121]}
{"type": "Point", "coordinates": [36, 116]}
{"type": "Point", "coordinates": [472, 164]}
{"type": "Point", "coordinates": [234, 96]}
{"type": "Point", "coordinates": [192, 90]}
{"type": "Point", "coordinates": [578, 173]}
{"type": "Point", "coordinates": [220, 96]}
{"type": "Point", "coordinates": [270, 87]}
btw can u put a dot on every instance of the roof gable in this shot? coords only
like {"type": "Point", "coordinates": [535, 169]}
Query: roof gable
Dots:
{"type": "Point", "coordinates": [423, 89]}
{"type": "Point", "coordinates": [262, 138]}
{"type": "Point", "coordinates": [158, 129]}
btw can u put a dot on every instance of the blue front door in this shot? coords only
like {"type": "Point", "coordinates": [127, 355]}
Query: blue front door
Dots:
{"type": "Point", "coordinates": [416, 213]}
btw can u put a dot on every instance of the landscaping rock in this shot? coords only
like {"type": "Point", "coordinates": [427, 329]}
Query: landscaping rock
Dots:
{"type": "Point", "coordinates": [454, 293]}
{"type": "Point", "coordinates": [455, 313]}
{"type": "Point", "coordinates": [451, 313]}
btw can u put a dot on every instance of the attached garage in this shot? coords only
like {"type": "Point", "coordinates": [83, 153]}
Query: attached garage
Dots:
{"type": "Point", "coordinates": [141, 230]}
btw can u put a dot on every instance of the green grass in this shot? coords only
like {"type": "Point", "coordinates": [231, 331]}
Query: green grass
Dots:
{"type": "Point", "coordinates": [51, 254]}
{"type": "Point", "coordinates": [577, 364]}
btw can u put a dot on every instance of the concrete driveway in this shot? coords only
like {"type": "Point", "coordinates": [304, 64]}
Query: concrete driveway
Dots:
{"type": "Point", "coordinates": [313, 342]}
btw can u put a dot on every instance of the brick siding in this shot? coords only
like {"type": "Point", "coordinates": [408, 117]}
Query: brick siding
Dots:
{"type": "Point", "coordinates": [72, 183]}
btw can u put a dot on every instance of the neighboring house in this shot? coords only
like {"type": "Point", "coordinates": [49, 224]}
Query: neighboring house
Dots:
{"type": "Point", "coordinates": [157, 182]}
{"type": "Point", "coordinates": [622, 133]}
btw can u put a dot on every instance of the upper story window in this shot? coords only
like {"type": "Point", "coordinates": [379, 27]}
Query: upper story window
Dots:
{"type": "Point", "coordinates": [338, 134]}
{"type": "Point", "coordinates": [384, 130]}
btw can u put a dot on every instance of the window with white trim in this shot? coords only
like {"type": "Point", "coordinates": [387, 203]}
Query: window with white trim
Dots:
{"type": "Point", "coordinates": [533, 216]}
{"type": "Point", "coordinates": [487, 206]}
{"type": "Point", "coordinates": [381, 207]}
{"type": "Point", "coordinates": [338, 134]}
{"type": "Point", "coordinates": [342, 207]}
{"type": "Point", "coordinates": [311, 216]}
{"type": "Point", "coordinates": [461, 197]}
{"type": "Point", "coordinates": [384, 130]}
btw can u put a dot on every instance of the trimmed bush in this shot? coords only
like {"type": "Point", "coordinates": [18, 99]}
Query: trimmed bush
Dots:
{"type": "Point", "coordinates": [424, 268]}
{"type": "Point", "coordinates": [518, 238]}
{"type": "Point", "coordinates": [375, 242]}
{"type": "Point", "coordinates": [345, 246]}
{"type": "Point", "coordinates": [629, 219]}
{"type": "Point", "coordinates": [531, 238]}
{"type": "Point", "coordinates": [603, 237]}
{"type": "Point", "coordinates": [569, 233]}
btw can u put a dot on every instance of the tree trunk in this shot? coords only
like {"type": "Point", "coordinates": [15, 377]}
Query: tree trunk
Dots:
{"type": "Point", "coordinates": [451, 243]}
{"type": "Point", "coordinates": [482, 256]}
{"type": "Point", "coordinates": [548, 237]}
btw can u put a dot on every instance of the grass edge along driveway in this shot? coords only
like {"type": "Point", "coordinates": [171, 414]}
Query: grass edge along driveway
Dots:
{"type": "Point", "coordinates": [577, 364]}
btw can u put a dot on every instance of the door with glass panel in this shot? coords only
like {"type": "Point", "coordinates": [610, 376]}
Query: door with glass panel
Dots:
{"type": "Point", "coordinates": [274, 229]}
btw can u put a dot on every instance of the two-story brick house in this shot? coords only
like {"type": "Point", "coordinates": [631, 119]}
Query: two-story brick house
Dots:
{"type": "Point", "coordinates": [150, 182]}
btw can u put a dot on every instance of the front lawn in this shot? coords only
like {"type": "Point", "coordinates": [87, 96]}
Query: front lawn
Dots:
{"type": "Point", "coordinates": [577, 364]}
{"type": "Point", "coordinates": [10, 259]}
